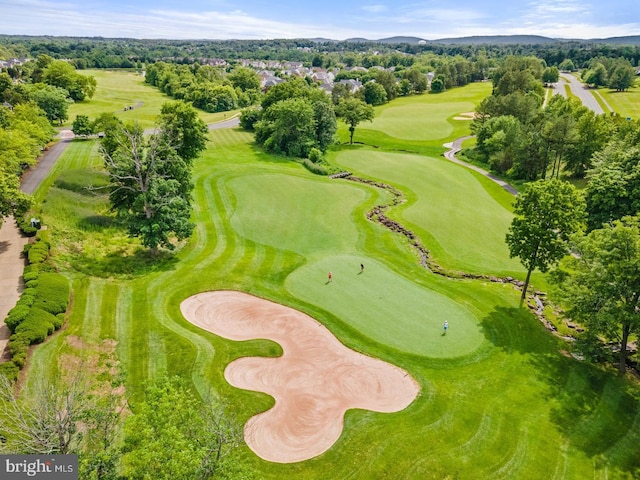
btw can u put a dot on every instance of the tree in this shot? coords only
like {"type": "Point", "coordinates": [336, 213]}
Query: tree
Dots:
{"type": "Point", "coordinates": [438, 84]}
{"type": "Point", "coordinates": [60, 73]}
{"type": "Point", "coordinates": [374, 93]}
{"type": "Point", "coordinates": [613, 190]}
{"type": "Point", "coordinates": [417, 80]}
{"type": "Point", "coordinates": [602, 289]}
{"type": "Point", "coordinates": [12, 200]}
{"type": "Point", "coordinates": [192, 437]}
{"type": "Point", "coordinates": [622, 78]}
{"type": "Point", "coordinates": [150, 187]}
{"type": "Point", "coordinates": [546, 212]}
{"type": "Point", "coordinates": [82, 126]}
{"type": "Point", "coordinates": [183, 129]}
{"type": "Point", "coordinates": [567, 65]}
{"type": "Point", "coordinates": [389, 82]}
{"type": "Point", "coordinates": [53, 100]}
{"type": "Point", "coordinates": [550, 75]}
{"type": "Point", "coordinates": [287, 127]}
{"type": "Point", "coordinates": [354, 111]}
{"type": "Point", "coordinates": [245, 79]}
{"type": "Point", "coordinates": [325, 124]}
{"type": "Point", "coordinates": [596, 76]}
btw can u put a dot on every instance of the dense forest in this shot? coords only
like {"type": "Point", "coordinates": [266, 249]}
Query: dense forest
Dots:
{"type": "Point", "coordinates": [127, 53]}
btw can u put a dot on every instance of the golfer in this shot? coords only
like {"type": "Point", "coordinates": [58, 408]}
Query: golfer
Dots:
{"type": "Point", "coordinates": [445, 326]}
{"type": "Point", "coordinates": [330, 276]}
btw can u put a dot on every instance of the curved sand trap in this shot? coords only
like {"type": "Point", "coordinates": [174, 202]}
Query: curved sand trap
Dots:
{"type": "Point", "coordinates": [314, 382]}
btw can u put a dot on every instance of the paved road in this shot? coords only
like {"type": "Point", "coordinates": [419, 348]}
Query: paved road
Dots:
{"type": "Point", "coordinates": [585, 94]}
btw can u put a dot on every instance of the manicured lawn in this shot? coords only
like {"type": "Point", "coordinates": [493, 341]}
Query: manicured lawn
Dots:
{"type": "Point", "coordinates": [118, 89]}
{"type": "Point", "coordinates": [448, 206]}
{"type": "Point", "coordinates": [498, 399]}
{"type": "Point", "coordinates": [626, 104]}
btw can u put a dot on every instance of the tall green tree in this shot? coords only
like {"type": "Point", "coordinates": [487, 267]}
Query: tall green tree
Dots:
{"type": "Point", "coordinates": [613, 188]}
{"type": "Point", "coordinates": [82, 126]}
{"type": "Point", "coordinates": [602, 289]}
{"type": "Point", "coordinates": [150, 187]}
{"type": "Point", "coordinates": [546, 212]}
{"type": "Point", "coordinates": [183, 129]}
{"type": "Point", "coordinates": [192, 437]}
{"type": "Point", "coordinates": [353, 111]}
{"type": "Point", "coordinates": [53, 100]}
{"type": "Point", "coordinates": [373, 93]}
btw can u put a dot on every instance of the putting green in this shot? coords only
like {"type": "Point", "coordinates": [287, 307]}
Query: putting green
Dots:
{"type": "Point", "coordinates": [299, 214]}
{"type": "Point", "coordinates": [386, 307]}
{"type": "Point", "coordinates": [418, 121]}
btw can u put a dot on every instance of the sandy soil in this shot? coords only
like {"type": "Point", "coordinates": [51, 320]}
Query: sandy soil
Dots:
{"type": "Point", "coordinates": [314, 382]}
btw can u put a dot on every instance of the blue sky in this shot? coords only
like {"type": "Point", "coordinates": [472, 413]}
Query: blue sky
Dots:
{"type": "Point", "coordinates": [336, 19]}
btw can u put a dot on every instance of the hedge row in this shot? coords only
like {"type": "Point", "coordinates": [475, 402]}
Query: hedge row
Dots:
{"type": "Point", "coordinates": [39, 311]}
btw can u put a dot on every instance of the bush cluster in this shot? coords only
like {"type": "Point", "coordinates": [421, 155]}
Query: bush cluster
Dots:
{"type": "Point", "coordinates": [39, 311]}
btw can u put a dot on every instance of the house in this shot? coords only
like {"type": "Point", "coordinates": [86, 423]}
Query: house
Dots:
{"type": "Point", "coordinates": [354, 85]}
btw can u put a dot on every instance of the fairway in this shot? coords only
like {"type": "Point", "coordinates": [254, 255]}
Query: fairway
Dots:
{"type": "Point", "coordinates": [449, 207]}
{"type": "Point", "coordinates": [386, 307]}
{"type": "Point", "coordinates": [418, 121]}
{"type": "Point", "coordinates": [496, 397]}
{"type": "Point", "coordinates": [300, 214]}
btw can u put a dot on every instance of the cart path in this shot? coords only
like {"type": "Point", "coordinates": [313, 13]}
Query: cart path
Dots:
{"type": "Point", "coordinates": [455, 146]}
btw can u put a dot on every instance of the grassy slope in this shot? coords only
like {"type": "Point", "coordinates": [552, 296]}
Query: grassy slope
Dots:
{"type": "Point", "coordinates": [122, 88]}
{"type": "Point", "coordinates": [509, 407]}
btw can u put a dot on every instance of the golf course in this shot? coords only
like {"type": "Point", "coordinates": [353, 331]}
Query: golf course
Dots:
{"type": "Point", "coordinates": [498, 397]}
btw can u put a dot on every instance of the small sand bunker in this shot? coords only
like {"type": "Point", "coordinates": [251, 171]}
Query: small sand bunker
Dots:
{"type": "Point", "coordinates": [314, 382]}
{"type": "Point", "coordinates": [465, 116]}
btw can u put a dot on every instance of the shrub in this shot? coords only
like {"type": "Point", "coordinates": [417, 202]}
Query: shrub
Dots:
{"type": "Point", "coordinates": [315, 155]}
{"type": "Point", "coordinates": [59, 321]}
{"type": "Point", "coordinates": [249, 117]}
{"type": "Point", "coordinates": [37, 326]}
{"type": "Point", "coordinates": [318, 169]}
{"type": "Point", "coordinates": [16, 315]}
{"type": "Point", "coordinates": [30, 274]}
{"type": "Point", "coordinates": [38, 252]}
{"type": "Point", "coordinates": [52, 293]}
{"type": "Point", "coordinates": [10, 370]}
{"type": "Point", "coordinates": [18, 344]}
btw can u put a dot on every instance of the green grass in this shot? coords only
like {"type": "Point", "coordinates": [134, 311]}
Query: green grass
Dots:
{"type": "Point", "coordinates": [497, 398]}
{"type": "Point", "coordinates": [626, 104]}
{"type": "Point", "coordinates": [118, 89]}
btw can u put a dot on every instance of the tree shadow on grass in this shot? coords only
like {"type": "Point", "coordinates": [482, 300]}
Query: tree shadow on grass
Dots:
{"type": "Point", "coordinates": [124, 263]}
{"type": "Point", "coordinates": [96, 222]}
{"type": "Point", "coordinates": [596, 410]}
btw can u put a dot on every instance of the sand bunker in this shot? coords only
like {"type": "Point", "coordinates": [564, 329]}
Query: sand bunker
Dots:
{"type": "Point", "coordinates": [314, 382]}
{"type": "Point", "coordinates": [465, 116]}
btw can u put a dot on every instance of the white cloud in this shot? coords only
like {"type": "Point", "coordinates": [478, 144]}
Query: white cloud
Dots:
{"type": "Point", "coordinates": [375, 8]}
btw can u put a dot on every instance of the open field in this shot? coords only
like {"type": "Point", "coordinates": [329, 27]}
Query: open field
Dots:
{"type": "Point", "coordinates": [626, 104]}
{"type": "Point", "coordinates": [118, 89]}
{"type": "Point", "coordinates": [497, 398]}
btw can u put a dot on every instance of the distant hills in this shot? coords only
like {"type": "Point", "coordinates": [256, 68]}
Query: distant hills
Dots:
{"type": "Point", "coordinates": [501, 40]}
